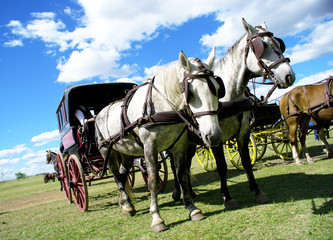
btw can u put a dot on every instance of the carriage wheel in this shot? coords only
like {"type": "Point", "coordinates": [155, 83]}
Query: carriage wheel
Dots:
{"type": "Point", "coordinates": [162, 171]}
{"type": "Point", "coordinates": [63, 176]}
{"type": "Point", "coordinates": [206, 158]}
{"type": "Point", "coordinates": [280, 142]}
{"type": "Point", "coordinates": [233, 153]}
{"type": "Point", "coordinates": [261, 144]}
{"type": "Point", "coordinates": [77, 183]}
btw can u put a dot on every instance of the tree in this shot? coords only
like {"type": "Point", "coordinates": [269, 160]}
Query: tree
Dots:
{"type": "Point", "coordinates": [20, 175]}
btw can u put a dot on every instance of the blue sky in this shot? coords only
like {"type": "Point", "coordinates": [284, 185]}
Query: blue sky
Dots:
{"type": "Point", "coordinates": [46, 46]}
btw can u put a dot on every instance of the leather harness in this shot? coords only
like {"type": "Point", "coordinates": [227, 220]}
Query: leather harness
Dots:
{"type": "Point", "coordinates": [326, 104]}
{"type": "Point", "coordinates": [150, 118]}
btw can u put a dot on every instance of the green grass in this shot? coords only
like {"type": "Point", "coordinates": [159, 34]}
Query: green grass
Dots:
{"type": "Point", "coordinates": [301, 207]}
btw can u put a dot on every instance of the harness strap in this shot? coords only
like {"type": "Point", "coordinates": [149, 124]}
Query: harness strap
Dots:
{"type": "Point", "coordinates": [326, 104]}
{"type": "Point", "coordinates": [329, 97]}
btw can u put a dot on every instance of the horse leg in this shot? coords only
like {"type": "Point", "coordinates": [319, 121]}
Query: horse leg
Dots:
{"type": "Point", "coordinates": [125, 197]}
{"type": "Point", "coordinates": [260, 197]}
{"type": "Point", "coordinates": [182, 174]}
{"type": "Point", "coordinates": [120, 176]}
{"type": "Point", "coordinates": [304, 123]}
{"type": "Point", "coordinates": [151, 158]}
{"type": "Point", "coordinates": [177, 192]}
{"type": "Point", "coordinates": [322, 133]}
{"type": "Point", "coordinates": [292, 123]}
{"type": "Point", "coordinates": [222, 169]}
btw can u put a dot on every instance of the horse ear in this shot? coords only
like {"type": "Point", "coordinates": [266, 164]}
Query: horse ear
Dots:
{"type": "Point", "coordinates": [263, 25]}
{"type": "Point", "coordinates": [184, 62]}
{"type": "Point", "coordinates": [248, 28]}
{"type": "Point", "coordinates": [210, 59]}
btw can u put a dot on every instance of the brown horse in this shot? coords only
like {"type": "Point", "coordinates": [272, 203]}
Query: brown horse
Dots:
{"type": "Point", "coordinates": [51, 158]}
{"type": "Point", "coordinates": [305, 102]}
{"type": "Point", "coordinates": [49, 176]}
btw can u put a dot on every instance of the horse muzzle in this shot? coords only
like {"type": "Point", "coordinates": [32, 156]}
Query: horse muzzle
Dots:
{"type": "Point", "coordinates": [212, 139]}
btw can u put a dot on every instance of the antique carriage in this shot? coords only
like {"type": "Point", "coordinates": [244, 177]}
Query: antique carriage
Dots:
{"type": "Point", "coordinates": [79, 160]}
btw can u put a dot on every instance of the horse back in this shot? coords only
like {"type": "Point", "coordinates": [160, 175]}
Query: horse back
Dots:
{"type": "Point", "coordinates": [309, 99]}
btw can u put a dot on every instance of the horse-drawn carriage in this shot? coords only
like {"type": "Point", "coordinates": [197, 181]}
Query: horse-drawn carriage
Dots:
{"type": "Point", "coordinates": [185, 91]}
{"type": "Point", "coordinates": [79, 161]}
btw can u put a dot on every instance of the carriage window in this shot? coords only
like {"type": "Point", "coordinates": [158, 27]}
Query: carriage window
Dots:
{"type": "Point", "coordinates": [63, 108]}
{"type": "Point", "coordinates": [60, 122]}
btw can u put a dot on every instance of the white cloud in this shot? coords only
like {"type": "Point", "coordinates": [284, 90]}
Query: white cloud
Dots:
{"type": "Point", "coordinates": [318, 43]}
{"type": "Point", "coordinates": [9, 161]}
{"type": "Point", "coordinates": [46, 137]}
{"type": "Point", "coordinates": [14, 151]}
{"type": "Point", "coordinates": [14, 43]}
{"type": "Point", "coordinates": [106, 28]}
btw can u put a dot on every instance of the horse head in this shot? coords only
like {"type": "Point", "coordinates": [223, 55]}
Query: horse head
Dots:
{"type": "Point", "coordinates": [202, 91]}
{"type": "Point", "coordinates": [50, 156]}
{"type": "Point", "coordinates": [264, 56]}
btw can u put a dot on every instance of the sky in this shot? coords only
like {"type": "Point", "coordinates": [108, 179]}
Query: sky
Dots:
{"type": "Point", "coordinates": [46, 46]}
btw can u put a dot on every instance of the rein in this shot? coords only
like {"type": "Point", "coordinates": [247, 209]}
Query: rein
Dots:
{"type": "Point", "coordinates": [171, 117]}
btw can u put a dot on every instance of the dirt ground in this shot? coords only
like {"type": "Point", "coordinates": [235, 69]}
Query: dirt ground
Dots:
{"type": "Point", "coordinates": [31, 200]}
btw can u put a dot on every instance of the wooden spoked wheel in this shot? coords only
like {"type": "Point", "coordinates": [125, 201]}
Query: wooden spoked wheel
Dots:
{"type": "Point", "coordinates": [162, 171]}
{"type": "Point", "coordinates": [234, 156]}
{"type": "Point", "coordinates": [280, 142]}
{"type": "Point", "coordinates": [261, 144]}
{"type": "Point", "coordinates": [77, 183]}
{"type": "Point", "coordinates": [63, 176]}
{"type": "Point", "coordinates": [206, 158]}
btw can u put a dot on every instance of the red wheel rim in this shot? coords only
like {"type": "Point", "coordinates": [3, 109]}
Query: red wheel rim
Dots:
{"type": "Point", "coordinates": [77, 183]}
{"type": "Point", "coordinates": [62, 176]}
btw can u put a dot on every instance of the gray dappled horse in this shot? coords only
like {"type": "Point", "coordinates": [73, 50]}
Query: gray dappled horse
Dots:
{"type": "Point", "coordinates": [257, 53]}
{"type": "Point", "coordinates": [124, 130]}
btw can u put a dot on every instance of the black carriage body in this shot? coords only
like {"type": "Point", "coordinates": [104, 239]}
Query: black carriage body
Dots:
{"type": "Point", "coordinates": [94, 97]}
{"type": "Point", "coordinates": [265, 116]}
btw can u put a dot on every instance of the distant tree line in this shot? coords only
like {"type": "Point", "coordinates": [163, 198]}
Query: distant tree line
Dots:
{"type": "Point", "coordinates": [20, 175]}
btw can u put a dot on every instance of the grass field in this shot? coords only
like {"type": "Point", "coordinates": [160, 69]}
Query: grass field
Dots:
{"type": "Point", "coordinates": [301, 207]}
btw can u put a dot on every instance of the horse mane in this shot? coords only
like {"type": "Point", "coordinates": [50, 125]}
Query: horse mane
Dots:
{"type": "Point", "coordinates": [230, 52]}
{"type": "Point", "coordinates": [168, 78]}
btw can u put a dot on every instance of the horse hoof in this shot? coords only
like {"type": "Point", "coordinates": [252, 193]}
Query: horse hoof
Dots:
{"type": "Point", "coordinates": [129, 213]}
{"type": "Point", "coordinates": [176, 195]}
{"type": "Point", "coordinates": [197, 215]}
{"type": "Point", "coordinates": [159, 227]}
{"type": "Point", "coordinates": [231, 204]}
{"type": "Point", "coordinates": [299, 163]}
{"type": "Point", "coordinates": [261, 198]}
{"type": "Point", "coordinates": [310, 161]}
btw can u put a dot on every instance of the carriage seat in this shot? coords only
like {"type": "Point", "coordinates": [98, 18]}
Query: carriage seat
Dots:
{"type": "Point", "coordinates": [87, 131]}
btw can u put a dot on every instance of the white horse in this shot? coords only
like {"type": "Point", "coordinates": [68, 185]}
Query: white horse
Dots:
{"type": "Point", "coordinates": [165, 94]}
{"type": "Point", "coordinates": [257, 53]}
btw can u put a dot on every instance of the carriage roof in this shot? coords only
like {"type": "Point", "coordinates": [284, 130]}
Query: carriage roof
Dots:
{"type": "Point", "coordinates": [93, 96]}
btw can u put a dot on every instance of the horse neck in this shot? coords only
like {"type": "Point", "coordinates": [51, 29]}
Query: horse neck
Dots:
{"type": "Point", "coordinates": [53, 156]}
{"type": "Point", "coordinates": [167, 81]}
{"type": "Point", "coordinates": [233, 71]}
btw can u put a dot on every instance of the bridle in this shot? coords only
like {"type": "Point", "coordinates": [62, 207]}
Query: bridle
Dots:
{"type": "Point", "coordinates": [205, 74]}
{"type": "Point", "coordinates": [255, 43]}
